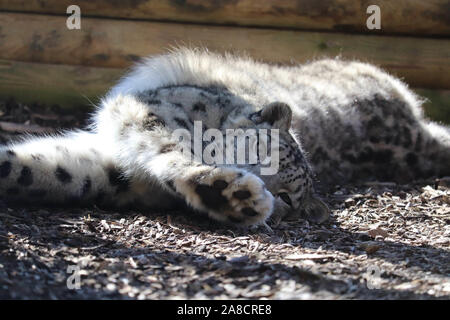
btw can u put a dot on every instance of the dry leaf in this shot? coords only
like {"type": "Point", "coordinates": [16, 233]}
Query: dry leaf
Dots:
{"type": "Point", "coordinates": [371, 248]}
{"type": "Point", "coordinates": [378, 232]}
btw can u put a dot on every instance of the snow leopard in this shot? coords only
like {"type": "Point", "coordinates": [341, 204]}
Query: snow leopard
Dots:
{"type": "Point", "coordinates": [337, 121]}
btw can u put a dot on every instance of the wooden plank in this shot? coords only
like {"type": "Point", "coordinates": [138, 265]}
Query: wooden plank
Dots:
{"type": "Point", "coordinates": [437, 106]}
{"type": "Point", "coordinates": [414, 17]}
{"type": "Point", "coordinates": [66, 86]}
{"type": "Point", "coordinates": [422, 62]}
{"type": "Point", "coordinates": [78, 87]}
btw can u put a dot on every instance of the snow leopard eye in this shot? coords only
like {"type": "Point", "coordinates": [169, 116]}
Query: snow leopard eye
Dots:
{"type": "Point", "coordinates": [285, 197]}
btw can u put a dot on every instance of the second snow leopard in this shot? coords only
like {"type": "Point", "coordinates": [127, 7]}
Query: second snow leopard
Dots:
{"type": "Point", "coordinates": [338, 122]}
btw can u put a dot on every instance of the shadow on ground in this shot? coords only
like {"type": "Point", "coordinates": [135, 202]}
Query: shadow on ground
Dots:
{"type": "Point", "coordinates": [172, 255]}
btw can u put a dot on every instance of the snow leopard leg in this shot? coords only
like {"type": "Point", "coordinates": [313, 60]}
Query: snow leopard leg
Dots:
{"type": "Point", "coordinates": [227, 194]}
{"type": "Point", "coordinates": [400, 144]}
{"type": "Point", "coordinates": [147, 148]}
{"type": "Point", "coordinates": [70, 169]}
{"type": "Point", "coordinates": [389, 140]}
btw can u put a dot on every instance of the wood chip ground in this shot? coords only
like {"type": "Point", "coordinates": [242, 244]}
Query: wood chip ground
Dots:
{"type": "Point", "coordinates": [384, 241]}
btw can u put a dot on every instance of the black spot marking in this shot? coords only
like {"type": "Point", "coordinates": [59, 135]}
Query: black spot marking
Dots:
{"type": "Point", "coordinates": [223, 102]}
{"type": "Point", "coordinates": [211, 197]}
{"type": "Point", "coordinates": [37, 157]}
{"type": "Point", "coordinates": [12, 191]}
{"type": "Point", "coordinates": [62, 175]}
{"type": "Point", "coordinates": [114, 176]}
{"type": "Point", "coordinates": [87, 186]}
{"type": "Point", "coordinates": [117, 179]}
{"type": "Point", "coordinates": [10, 153]}
{"type": "Point", "coordinates": [411, 159]}
{"type": "Point", "coordinates": [349, 157]}
{"type": "Point", "coordinates": [249, 212]}
{"type": "Point", "coordinates": [242, 194]}
{"type": "Point", "coordinates": [157, 102]}
{"type": "Point", "coordinates": [235, 219]}
{"type": "Point", "coordinates": [220, 184]}
{"type": "Point", "coordinates": [366, 155]}
{"type": "Point", "coordinates": [142, 146]}
{"type": "Point", "coordinates": [418, 146]}
{"type": "Point", "coordinates": [382, 156]}
{"type": "Point", "coordinates": [199, 107]}
{"type": "Point", "coordinates": [100, 197]}
{"type": "Point", "coordinates": [299, 187]}
{"type": "Point", "coordinates": [181, 123]}
{"type": "Point", "coordinates": [407, 139]}
{"type": "Point", "coordinates": [319, 155]}
{"type": "Point", "coordinates": [375, 123]}
{"type": "Point", "coordinates": [5, 169]}
{"type": "Point", "coordinates": [152, 121]}
{"type": "Point", "coordinates": [167, 148]}
{"type": "Point", "coordinates": [397, 138]}
{"type": "Point", "coordinates": [125, 128]}
{"type": "Point", "coordinates": [223, 119]}
{"type": "Point", "coordinates": [37, 193]}
{"type": "Point", "coordinates": [170, 184]}
{"type": "Point", "coordinates": [26, 177]}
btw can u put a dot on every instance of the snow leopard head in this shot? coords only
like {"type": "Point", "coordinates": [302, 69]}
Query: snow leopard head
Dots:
{"type": "Point", "coordinates": [293, 181]}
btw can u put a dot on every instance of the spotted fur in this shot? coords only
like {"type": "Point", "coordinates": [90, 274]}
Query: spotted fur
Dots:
{"type": "Point", "coordinates": [339, 121]}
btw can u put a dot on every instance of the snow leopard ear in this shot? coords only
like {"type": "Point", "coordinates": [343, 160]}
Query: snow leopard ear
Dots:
{"type": "Point", "coordinates": [277, 114]}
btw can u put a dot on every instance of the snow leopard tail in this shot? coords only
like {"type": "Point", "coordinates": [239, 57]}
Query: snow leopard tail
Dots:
{"type": "Point", "coordinates": [61, 170]}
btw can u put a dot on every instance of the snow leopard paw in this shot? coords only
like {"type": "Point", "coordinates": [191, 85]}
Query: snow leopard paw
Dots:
{"type": "Point", "coordinates": [231, 195]}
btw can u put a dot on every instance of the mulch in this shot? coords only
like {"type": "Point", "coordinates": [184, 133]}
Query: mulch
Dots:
{"type": "Point", "coordinates": [384, 241]}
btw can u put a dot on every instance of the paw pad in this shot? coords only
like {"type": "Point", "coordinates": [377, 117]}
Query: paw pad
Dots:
{"type": "Point", "coordinates": [242, 194]}
{"type": "Point", "coordinates": [249, 212]}
{"type": "Point", "coordinates": [234, 196]}
{"type": "Point", "coordinates": [220, 184]}
{"type": "Point", "coordinates": [235, 219]}
{"type": "Point", "coordinates": [211, 196]}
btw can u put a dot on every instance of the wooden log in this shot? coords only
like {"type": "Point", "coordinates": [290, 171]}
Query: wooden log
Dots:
{"type": "Point", "coordinates": [422, 62]}
{"type": "Point", "coordinates": [414, 17]}
{"type": "Point", "coordinates": [47, 84]}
